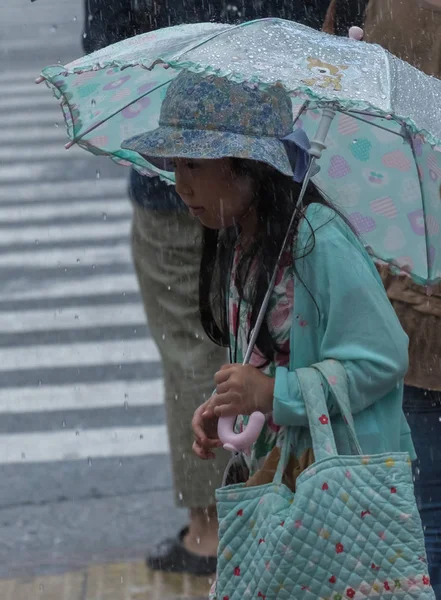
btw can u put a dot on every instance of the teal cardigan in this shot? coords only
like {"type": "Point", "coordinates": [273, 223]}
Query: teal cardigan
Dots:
{"type": "Point", "coordinates": [341, 312]}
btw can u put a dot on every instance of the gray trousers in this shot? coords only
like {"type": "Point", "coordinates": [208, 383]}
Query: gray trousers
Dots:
{"type": "Point", "coordinates": [166, 252]}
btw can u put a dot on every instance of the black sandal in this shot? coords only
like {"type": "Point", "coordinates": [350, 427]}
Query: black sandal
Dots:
{"type": "Point", "coordinates": [173, 557]}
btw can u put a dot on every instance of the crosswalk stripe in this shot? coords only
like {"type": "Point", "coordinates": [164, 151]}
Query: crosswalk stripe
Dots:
{"type": "Point", "coordinates": [85, 354]}
{"type": "Point", "coordinates": [78, 317]}
{"type": "Point", "coordinates": [19, 75]}
{"type": "Point", "coordinates": [49, 117]}
{"type": "Point", "coordinates": [15, 152]}
{"type": "Point", "coordinates": [33, 134]}
{"type": "Point", "coordinates": [102, 284]}
{"type": "Point", "coordinates": [81, 396]}
{"type": "Point", "coordinates": [66, 190]}
{"type": "Point", "coordinates": [26, 101]}
{"type": "Point", "coordinates": [99, 208]}
{"type": "Point", "coordinates": [85, 256]}
{"type": "Point", "coordinates": [82, 445]}
{"type": "Point", "coordinates": [55, 233]}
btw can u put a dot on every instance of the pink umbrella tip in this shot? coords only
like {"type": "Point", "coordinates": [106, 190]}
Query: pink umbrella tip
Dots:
{"type": "Point", "coordinates": [39, 79]}
{"type": "Point", "coordinates": [356, 33]}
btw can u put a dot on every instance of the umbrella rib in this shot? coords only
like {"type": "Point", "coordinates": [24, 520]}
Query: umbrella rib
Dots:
{"type": "Point", "coordinates": [77, 139]}
{"type": "Point", "coordinates": [426, 237]}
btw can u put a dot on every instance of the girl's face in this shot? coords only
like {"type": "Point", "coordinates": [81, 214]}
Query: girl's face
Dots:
{"type": "Point", "coordinates": [212, 191]}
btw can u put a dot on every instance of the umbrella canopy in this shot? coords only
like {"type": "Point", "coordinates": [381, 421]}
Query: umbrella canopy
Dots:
{"type": "Point", "coordinates": [382, 164]}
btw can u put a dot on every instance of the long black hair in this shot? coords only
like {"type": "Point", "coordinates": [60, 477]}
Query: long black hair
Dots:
{"type": "Point", "coordinates": [275, 197]}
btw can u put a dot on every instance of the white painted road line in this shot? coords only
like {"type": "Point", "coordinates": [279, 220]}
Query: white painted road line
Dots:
{"type": "Point", "coordinates": [78, 355]}
{"type": "Point", "coordinates": [103, 284]}
{"type": "Point", "coordinates": [98, 208]}
{"type": "Point", "coordinates": [83, 444]}
{"type": "Point", "coordinates": [59, 233]}
{"type": "Point", "coordinates": [118, 254]}
{"type": "Point", "coordinates": [81, 396]}
{"type": "Point", "coordinates": [66, 190]}
{"type": "Point", "coordinates": [71, 318]}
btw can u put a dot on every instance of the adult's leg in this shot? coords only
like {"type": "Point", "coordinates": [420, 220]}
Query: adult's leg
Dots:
{"type": "Point", "coordinates": [423, 411]}
{"type": "Point", "coordinates": [166, 252]}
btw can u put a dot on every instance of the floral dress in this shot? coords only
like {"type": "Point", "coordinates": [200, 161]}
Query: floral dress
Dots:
{"type": "Point", "coordinates": [280, 315]}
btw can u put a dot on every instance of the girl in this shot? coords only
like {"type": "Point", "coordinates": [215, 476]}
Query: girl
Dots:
{"type": "Point", "coordinates": [240, 176]}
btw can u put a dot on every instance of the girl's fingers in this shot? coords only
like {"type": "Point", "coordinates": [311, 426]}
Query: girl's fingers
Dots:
{"type": "Point", "coordinates": [197, 425]}
{"type": "Point", "coordinates": [222, 375]}
{"type": "Point", "coordinates": [226, 410]}
{"type": "Point", "coordinates": [222, 388]}
{"type": "Point", "coordinates": [202, 452]}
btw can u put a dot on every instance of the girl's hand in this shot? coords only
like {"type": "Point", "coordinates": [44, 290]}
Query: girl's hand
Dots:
{"type": "Point", "coordinates": [205, 432]}
{"type": "Point", "coordinates": [240, 390]}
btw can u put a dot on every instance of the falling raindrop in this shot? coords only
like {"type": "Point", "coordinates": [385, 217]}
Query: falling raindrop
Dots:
{"type": "Point", "coordinates": [120, 463]}
{"type": "Point", "coordinates": [78, 260]}
{"type": "Point", "coordinates": [75, 18]}
{"type": "Point", "coordinates": [135, 330]}
{"type": "Point", "coordinates": [63, 424]}
{"type": "Point", "coordinates": [93, 102]}
{"type": "Point", "coordinates": [169, 287]}
{"type": "Point", "coordinates": [141, 437]}
{"type": "Point", "coordinates": [84, 35]}
{"type": "Point", "coordinates": [126, 405]}
{"type": "Point", "coordinates": [123, 293]}
{"type": "Point", "coordinates": [163, 336]}
{"type": "Point", "coordinates": [77, 433]}
{"type": "Point", "coordinates": [104, 216]}
{"type": "Point", "coordinates": [76, 317]}
{"type": "Point", "coordinates": [122, 579]}
{"type": "Point", "coordinates": [41, 587]}
{"type": "Point", "coordinates": [98, 174]}
{"type": "Point", "coordinates": [89, 461]}
{"type": "Point", "coordinates": [39, 383]}
{"type": "Point", "coordinates": [181, 496]}
{"type": "Point", "coordinates": [93, 266]}
{"type": "Point", "coordinates": [23, 456]}
{"type": "Point", "coordinates": [56, 125]}
{"type": "Point", "coordinates": [53, 28]}
{"type": "Point", "coordinates": [37, 242]}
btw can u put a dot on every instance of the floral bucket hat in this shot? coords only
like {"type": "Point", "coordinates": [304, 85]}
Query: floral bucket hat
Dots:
{"type": "Point", "coordinates": [213, 117]}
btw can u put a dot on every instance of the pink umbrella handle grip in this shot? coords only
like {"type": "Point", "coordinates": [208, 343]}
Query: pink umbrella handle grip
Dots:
{"type": "Point", "coordinates": [240, 441]}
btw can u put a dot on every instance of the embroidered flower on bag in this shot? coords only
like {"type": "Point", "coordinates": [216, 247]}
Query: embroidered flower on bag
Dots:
{"type": "Point", "coordinates": [350, 593]}
{"type": "Point", "coordinates": [339, 548]}
{"type": "Point", "coordinates": [324, 420]}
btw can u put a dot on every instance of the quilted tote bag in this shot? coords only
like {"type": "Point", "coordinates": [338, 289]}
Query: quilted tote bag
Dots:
{"type": "Point", "coordinates": [351, 529]}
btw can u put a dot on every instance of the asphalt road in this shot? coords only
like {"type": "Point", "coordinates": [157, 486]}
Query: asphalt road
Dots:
{"type": "Point", "coordinates": [84, 467]}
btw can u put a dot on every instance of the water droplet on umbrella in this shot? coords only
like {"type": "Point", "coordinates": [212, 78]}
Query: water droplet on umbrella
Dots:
{"type": "Point", "coordinates": [53, 28]}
